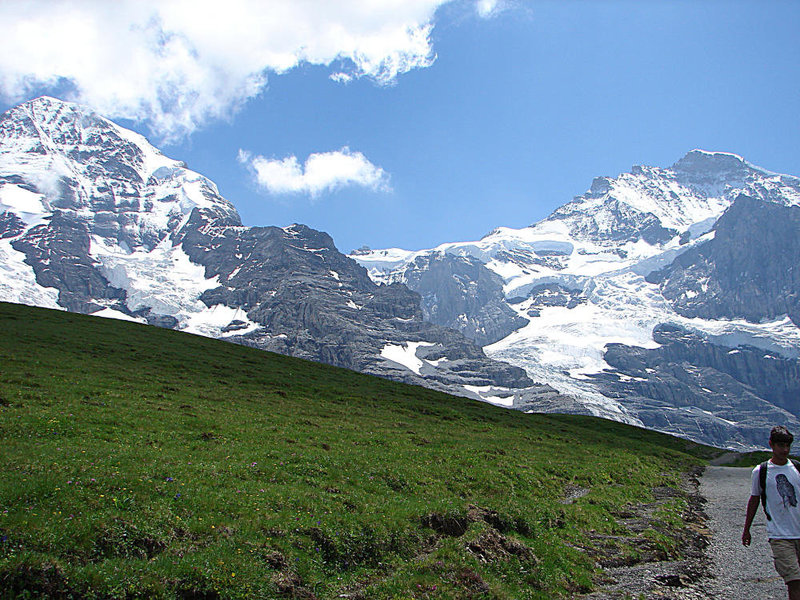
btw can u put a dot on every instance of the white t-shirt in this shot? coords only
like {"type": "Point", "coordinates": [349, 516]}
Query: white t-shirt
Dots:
{"type": "Point", "coordinates": [783, 500]}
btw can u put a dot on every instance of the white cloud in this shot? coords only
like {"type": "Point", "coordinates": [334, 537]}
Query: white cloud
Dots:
{"type": "Point", "coordinates": [322, 172]}
{"type": "Point", "coordinates": [179, 63]}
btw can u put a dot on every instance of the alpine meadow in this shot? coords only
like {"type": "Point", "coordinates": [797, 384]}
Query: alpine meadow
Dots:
{"type": "Point", "coordinates": [142, 462]}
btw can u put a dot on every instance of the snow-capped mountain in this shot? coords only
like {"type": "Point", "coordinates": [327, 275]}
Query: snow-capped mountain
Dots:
{"type": "Point", "coordinates": [94, 219]}
{"type": "Point", "coordinates": [668, 295]}
{"type": "Point", "coordinates": [92, 209]}
{"type": "Point", "coordinates": [668, 298]}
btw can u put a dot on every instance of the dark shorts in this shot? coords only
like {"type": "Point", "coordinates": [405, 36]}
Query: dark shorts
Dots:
{"type": "Point", "coordinates": [786, 554]}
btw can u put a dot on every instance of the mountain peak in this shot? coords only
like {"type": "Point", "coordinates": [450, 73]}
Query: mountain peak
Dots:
{"type": "Point", "coordinates": [51, 103]}
{"type": "Point", "coordinates": [50, 113]}
{"type": "Point", "coordinates": [703, 162]}
{"type": "Point", "coordinates": [58, 127]}
{"type": "Point", "coordinates": [73, 159]}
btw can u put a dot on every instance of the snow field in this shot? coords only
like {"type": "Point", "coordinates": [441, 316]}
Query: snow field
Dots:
{"type": "Point", "coordinates": [18, 281]}
{"type": "Point", "coordinates": [165, 281]}
{"type": "Point", "coordinates": [405, 355]}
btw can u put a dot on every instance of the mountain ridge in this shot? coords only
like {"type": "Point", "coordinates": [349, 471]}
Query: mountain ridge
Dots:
{"type": "Point", "coordinates": [605, 270]}
{"type": "Point", "coordinates": [559, 316]}
{"type": "Point", "coordinates": [115, 228]}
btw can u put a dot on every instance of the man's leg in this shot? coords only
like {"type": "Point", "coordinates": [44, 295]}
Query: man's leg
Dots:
{"type": "Point", "coordinates": [786, 554]}
{"type": "Point", "coordinates": [793, 581]}
{"type": "Point", "coordinates": [794, 589]}
{"type": "Point", "coordinates": [794, 586]}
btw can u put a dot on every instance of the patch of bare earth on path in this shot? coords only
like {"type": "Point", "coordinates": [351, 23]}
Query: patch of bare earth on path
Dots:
{"type": "Point", "coordinates": [634, 566]}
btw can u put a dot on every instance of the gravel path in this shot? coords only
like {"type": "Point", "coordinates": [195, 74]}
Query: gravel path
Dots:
{"type": "Point", "coordinates": [724, 570]}
{"type": "Point", "coordinates": [741, 573]}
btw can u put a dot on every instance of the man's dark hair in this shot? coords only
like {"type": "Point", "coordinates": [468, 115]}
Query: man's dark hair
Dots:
{"type": "Point", "coordinates": [781, 435]}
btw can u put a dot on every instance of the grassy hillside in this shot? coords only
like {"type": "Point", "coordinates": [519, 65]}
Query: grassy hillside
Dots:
{"type": "Point", "coordinates": [143, 462]}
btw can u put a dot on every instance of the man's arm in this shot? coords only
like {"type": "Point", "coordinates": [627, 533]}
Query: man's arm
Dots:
{"type": "Point", "coordinates": [752, 509]}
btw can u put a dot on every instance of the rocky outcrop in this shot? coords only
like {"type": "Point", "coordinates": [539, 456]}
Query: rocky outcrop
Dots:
{"type": "Point", "coordinates": [315, 303]}
{"type": "Point", "coordinates": [549, 295]}
{"type": "Point", "coordinates": [749, 270]}
{"type": "Point", "coordinates": [58, 251]}
{"type": "Point", "coordinates": [613, 220]}
{"type": "Point", "coordinates": [704, 390]}
{"type": "Point", "coordinates": [459, 292]}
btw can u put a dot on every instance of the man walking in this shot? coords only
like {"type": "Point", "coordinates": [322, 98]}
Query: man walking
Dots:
{"type": "Point", "coordinates": [776, 484]}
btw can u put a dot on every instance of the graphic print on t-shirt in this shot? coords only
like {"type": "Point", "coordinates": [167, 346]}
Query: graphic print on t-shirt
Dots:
{"type": "Point", "coordinates": [786, 490]}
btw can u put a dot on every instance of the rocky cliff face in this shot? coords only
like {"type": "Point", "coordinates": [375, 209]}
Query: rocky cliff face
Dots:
{"type": "Point", "coordinates": [688, 382]}
{"type": "Point", "coordinates": [313, 302]}
{"type": "Point", "coordinates": [93, 219]}
{"type": "Point", "coordinates": [459, 292]}
{"type": "Point", "coordinates": [749, 270]}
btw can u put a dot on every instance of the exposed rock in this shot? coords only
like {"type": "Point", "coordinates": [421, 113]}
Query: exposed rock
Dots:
{"type": "Point", "coordinates": [614, 221]}
{"type": "Point", "coordinates": [749, 270]}
{"type": "Point", "coordinates": [459, 292]}
{"type": "Point", "coordinates": [634, 566]}
{"type": "Point", "coordinates": [552, 294]}
{"type": "Point", "coordinates": [704, 390]}
{"type": "Point", "coordinates": [492, 546]}
{"type": "Point", "coordinates": [58, 251]}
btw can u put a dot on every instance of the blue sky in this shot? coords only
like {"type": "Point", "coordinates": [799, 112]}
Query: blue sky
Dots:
{"type": "Point", "coordinates": [498, 112]}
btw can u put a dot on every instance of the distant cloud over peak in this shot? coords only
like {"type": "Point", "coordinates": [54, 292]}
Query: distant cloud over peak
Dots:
{"type": "Point", "coordinates": [321, 172]}
{"type": "Point", "coordinates": [491, 8]}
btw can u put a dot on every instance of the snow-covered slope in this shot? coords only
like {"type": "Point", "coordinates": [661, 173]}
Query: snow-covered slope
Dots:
{"type": "Point", "coordinates": [583, 278]}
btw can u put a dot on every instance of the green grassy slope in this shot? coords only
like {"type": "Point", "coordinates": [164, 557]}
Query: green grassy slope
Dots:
{"type": "Point", "coordinates": [143, 462]}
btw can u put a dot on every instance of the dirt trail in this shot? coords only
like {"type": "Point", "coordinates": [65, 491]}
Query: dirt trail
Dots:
{"type": "Point", "coordinates": [741, 573]}
{"type": "Point", "coordinates": [724, 570]}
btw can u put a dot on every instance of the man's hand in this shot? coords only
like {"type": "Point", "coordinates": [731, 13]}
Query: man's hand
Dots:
{"type": "Point", "coordinates": [752, 508]}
